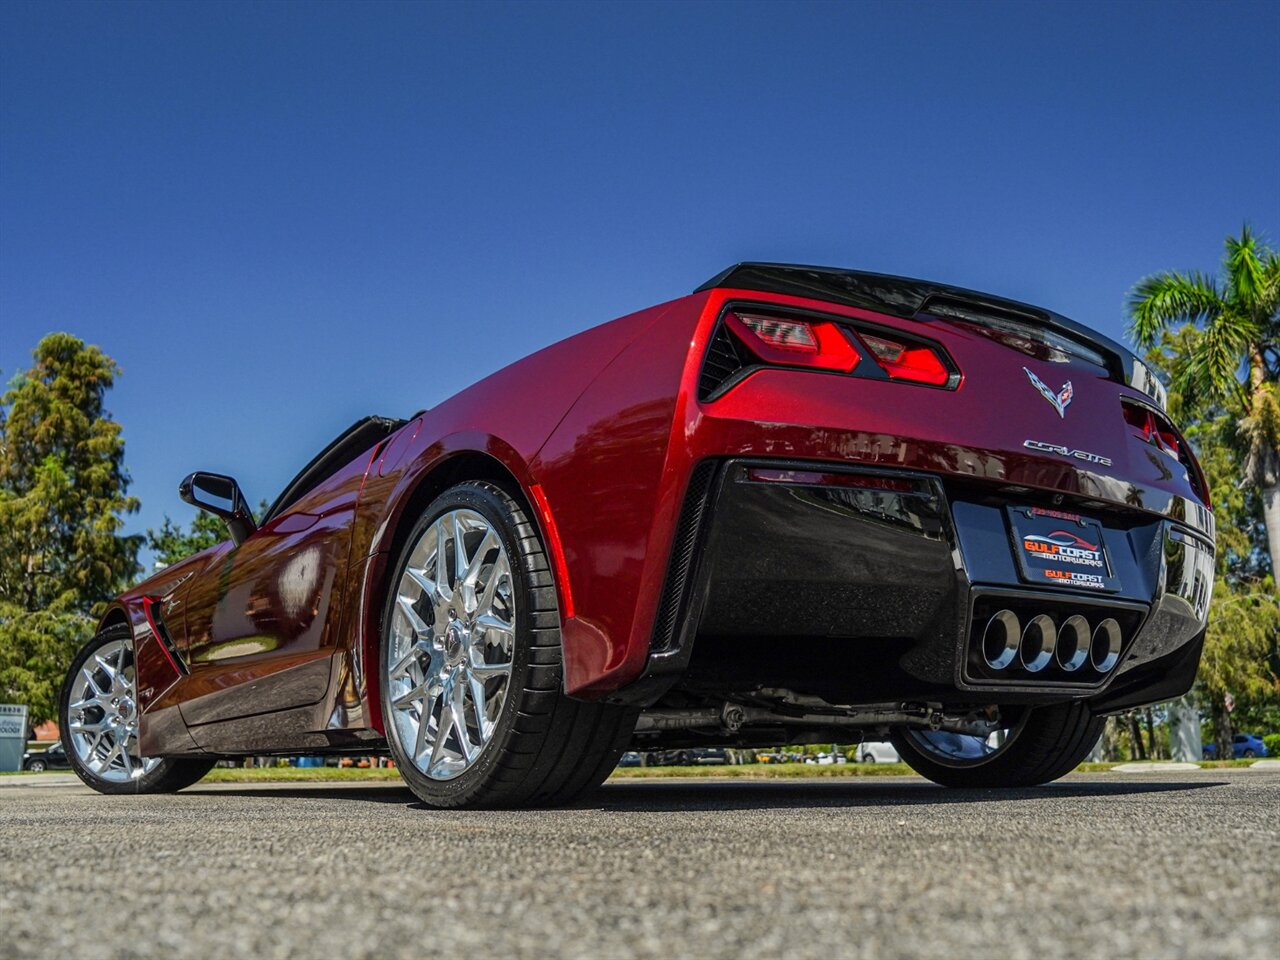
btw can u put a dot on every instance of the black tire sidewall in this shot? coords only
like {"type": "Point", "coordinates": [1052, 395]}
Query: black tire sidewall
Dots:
{"type": "Point", "coordinates": [466, 788]}
{"type": "Point", "coordinates": [1023, 763]}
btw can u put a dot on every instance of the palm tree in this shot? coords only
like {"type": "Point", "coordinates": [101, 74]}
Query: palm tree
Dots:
{"type": "Point", "coordinates": [1235, 359]}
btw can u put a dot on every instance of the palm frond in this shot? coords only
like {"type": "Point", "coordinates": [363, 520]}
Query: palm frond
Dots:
{"type": "Point", "coordinates": [1210, 373]}
{"type": "Point", "coordinates": [1165, 299]}
{"type": "Point", "coordinates": [1244, 269]}
{"type": "Point", "coordinates": [1235, 329]}
{"type": "Point", "coordinates": [1269, 301]}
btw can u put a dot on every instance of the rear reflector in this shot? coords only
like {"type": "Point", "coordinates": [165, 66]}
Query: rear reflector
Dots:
{"type": "Point", "coordinates": [815, 478]}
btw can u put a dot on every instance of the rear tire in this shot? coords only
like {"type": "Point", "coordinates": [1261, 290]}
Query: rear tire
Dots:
{"type": "Point", "coordinates": [1048, 743]}
{"type": "Point", "coordinates": [36, 766]}
{"type": "Point", "coordinates": [541, 748]}
{"type": "Point", "coordinates": [111, 776]}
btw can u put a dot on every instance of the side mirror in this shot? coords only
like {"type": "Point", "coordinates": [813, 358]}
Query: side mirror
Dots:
{"type": "Point", "coordinates": [220, 496]}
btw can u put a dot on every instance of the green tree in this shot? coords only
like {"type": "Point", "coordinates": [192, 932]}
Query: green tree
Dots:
{"type": "Point", "coordinates": [63, 493]}
{"type": "Point", "coordinates": [1239, 653]}
{"type": "Point", "coordinates": [1238, 316]}
{"type": "Point", "coordinates": [172, 542]}
{"type": "Point", "coordinates": [1242, 646]}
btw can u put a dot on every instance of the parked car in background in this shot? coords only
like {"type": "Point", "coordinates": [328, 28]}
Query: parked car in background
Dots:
{"type": "Point", "coordinates": [709, 755]}
{"type": "Point", "coordinates": [827, 759]}
{"type": "Point", "coordinates": [1243, 746]}
{"type": "Point", "coordinates": [878, 751]}
{"type": "Point", "coordinates": [51, 758]}
{"type": "Point", "coordinates": [631, 759]}
{"type": "Point", "coordinates": [688, 757]}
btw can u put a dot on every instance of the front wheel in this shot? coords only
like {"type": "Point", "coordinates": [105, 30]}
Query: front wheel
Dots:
{"type": "Point", "coordinates": [98, 717]}
{"type": "Point", "coordinates": [471, 668]}
{"type": "Point", "coordinates": [36, 766]}
{"type": "Point", "coordinates": [1040, 744]}
{"type": "Point", "coordinates": [1249, 754]}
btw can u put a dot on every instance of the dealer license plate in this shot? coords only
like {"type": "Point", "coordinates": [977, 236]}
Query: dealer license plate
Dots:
{"type": "Point", "coordinates": [1060, 549]}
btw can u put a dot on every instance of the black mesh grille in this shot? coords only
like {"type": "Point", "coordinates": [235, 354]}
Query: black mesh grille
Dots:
{"type": "Point", "coordinates": [725, 357]}
{"type": "Point", "coordinates": [682, 551]}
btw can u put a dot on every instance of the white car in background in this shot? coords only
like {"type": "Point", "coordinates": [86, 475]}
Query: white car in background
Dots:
{"type": "Point", "coordinates": [878, 751]}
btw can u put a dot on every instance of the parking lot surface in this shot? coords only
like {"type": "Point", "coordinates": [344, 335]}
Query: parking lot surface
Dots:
{"type": "Point", "coordinates": [1100, 865]}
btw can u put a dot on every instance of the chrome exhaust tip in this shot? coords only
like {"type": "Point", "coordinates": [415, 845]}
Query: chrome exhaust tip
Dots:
{"type": "Point", "coordinates": [1039, 640]}
{"type": "Point", "coordinates": [1104, 650]}
{"type": "Point", "coordinates": [1000, 639]}
{"type": "Point", "coordinates": [1074, 637]}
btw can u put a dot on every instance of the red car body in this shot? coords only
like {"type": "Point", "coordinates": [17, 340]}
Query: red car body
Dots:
{"type": "Point", "coordinates": [624, 458]}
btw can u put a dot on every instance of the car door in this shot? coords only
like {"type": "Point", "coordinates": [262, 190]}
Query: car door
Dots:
{"type": "Point", "coordinates": [262, 617]}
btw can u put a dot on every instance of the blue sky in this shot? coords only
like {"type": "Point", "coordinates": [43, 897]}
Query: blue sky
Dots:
{"type": "Point", "coordinates": [280, 217]}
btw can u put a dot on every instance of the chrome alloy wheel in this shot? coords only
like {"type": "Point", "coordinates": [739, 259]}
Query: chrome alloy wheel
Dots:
{"type": "Point", "coordinates": [452, 643]}
{"type": "Point", "coordinates": [102, 716]}
{"type": "Point", "coordinates": [956, 749]}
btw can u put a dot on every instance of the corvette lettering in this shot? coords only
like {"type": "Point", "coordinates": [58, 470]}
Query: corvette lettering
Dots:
{"type": "Point", "coordinates": [1041, 447]}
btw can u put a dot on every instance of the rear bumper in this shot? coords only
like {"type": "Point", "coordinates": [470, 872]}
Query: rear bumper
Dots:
{"type": "Point", "coordinates": [867, 585]}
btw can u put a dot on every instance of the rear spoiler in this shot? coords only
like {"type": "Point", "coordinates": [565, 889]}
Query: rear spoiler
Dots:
{"type": "Point", "coordinates": [914, 299]}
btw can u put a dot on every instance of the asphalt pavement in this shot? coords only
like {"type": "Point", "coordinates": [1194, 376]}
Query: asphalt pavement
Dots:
{"type": "Point", "coordinates": [1104, 865]}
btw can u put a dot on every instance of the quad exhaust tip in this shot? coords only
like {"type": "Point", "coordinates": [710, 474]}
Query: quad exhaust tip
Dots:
{"type": "Point", "coordinates": [1073, 644]}
{"type": "Point", "coordinates": [1039, 640]}
{"type": "Point", "coordinates": [1104, 651]}
{"type": "Point", "coordinates": [1000, 639]}
{"type": "Point", "coordinates": [1042, 642]}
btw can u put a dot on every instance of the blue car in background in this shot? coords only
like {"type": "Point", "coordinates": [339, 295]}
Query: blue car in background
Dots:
{"type": "Point", "coordinates": [1246, 745]}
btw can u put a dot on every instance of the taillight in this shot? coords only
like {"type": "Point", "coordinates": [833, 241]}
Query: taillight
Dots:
{"type": "Point", "coordinates": [907, 361]}
{"type": "Point", "coordinates": [747, 338]}
{"type": "Point", "coordinates": [783, 334]}
{"type": "Point", "coordinates": [1152, 428]}
{"type": "Point", "coordinates": [1140, 419]}
{"type": "Point", "coordinates": [820, 344]}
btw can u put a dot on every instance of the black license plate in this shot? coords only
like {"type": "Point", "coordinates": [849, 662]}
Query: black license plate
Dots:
{"type": "Point", "coordinates": [1059, 549]}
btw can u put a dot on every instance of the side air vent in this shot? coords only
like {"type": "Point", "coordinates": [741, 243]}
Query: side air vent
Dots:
{"type": "Point", "coordinates": [726, 357]}
{"type": "Point", "coordinates": [683, 547]}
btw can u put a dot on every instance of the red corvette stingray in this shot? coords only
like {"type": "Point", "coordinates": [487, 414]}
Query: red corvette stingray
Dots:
{"type": "Point", "coordinates": [798, 505]}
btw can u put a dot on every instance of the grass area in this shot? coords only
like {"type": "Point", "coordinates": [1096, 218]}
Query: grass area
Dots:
{"type": "Point", "coordinates": [747, 771]}
{"type": "Point", "coordinates": [1215, 764]}
{"type": "Point", "coordinates": [751, 771]}
{"type": "Point", "coordinates": [297, 774]}
{"type": "Point", "coordinates": [766, 771]}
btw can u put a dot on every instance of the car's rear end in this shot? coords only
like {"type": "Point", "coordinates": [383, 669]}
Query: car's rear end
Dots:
{"type": "Point", "coordinates": [903, 493]}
